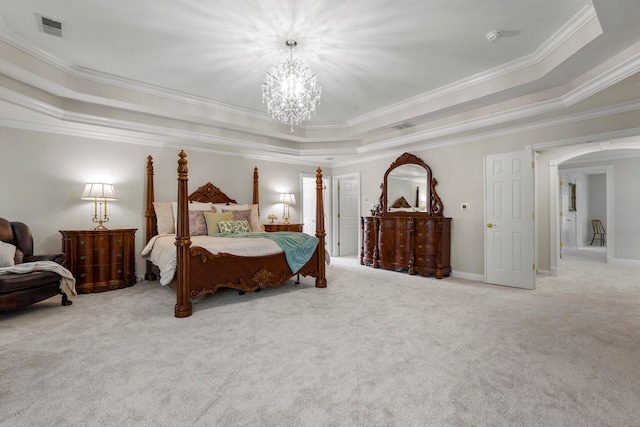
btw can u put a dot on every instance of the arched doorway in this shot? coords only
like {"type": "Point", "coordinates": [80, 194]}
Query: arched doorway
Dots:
{"type": "Point", "coordinates": [554, 185]}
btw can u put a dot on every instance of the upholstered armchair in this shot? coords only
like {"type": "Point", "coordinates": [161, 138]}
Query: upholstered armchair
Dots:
{"type": "Point", "coordinates": [19, 290]}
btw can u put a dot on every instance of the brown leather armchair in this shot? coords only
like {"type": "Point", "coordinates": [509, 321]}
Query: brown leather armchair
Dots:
{"type": "Point", "coordinates": [19, 290]}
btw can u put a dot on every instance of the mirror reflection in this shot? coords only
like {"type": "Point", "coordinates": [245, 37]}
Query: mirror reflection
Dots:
{"type": "Point", "coordinates": [407, 189]}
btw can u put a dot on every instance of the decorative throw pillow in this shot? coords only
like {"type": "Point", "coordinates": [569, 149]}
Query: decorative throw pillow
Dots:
{"type": "Point", "coordinates": [164, 217]}
{"type": "Point", "coordinates": [7, 254]}
{"type": "Point", "coordinates": [197, 223]}
{"type": "Point", "coordinates": [193, 206]}
{"type": "Point", "coordinates": [254, 218]}
{"type": "Point", "coordinates": [212, 219]}
{"type": "Point", "coordinates": [244, 215]}
{"type": "Point", "coordinates": [234, 227]}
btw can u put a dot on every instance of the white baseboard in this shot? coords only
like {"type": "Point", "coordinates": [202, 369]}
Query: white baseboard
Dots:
{"type": "Point", "coordinates": [628, 262]}
{"type": "Point", "coordinates": [468, 276]}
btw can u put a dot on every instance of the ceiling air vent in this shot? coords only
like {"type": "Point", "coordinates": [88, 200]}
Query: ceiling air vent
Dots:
{"type": "Point", "coordinates": [50, 26]}
{"type": "Point", "coordinates": [402, 125]}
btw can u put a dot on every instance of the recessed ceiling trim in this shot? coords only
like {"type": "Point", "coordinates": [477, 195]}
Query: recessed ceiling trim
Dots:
{"type": "Point", "coordinates": [579, 21]}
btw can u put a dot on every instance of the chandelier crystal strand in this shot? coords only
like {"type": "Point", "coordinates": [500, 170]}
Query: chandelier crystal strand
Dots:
{"type": "Point", "coordinates": [290, 91]}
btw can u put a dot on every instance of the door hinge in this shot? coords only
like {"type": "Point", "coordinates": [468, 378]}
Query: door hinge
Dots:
{"type": "Point", "coordinates": [561, 245]}
{"type": "Point", "coordinates": [533, 215]}
{"type": "Point", "coordinates": [338, 187]}
{"type": "Point", "coordinates": [338, 243]}
{"type": "Point", "coordinates": [533, 267]}
{"type": "Point", "coordinates": [561, 214]}
{"type": "Point", "coordinates": [338, 215]}
{"type": "Point", "coordinates": [560, 183]}
{"type": "Point", "coordinates": [533, 165]}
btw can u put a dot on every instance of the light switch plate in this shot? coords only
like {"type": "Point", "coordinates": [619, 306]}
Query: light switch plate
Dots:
{"type": "Point", "coordinates": [464, 206]}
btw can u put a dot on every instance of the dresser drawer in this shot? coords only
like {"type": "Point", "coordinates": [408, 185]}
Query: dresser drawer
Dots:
{"type": "Point", "coordinates": [117, 241]}
{"type": "Point", "coordinates": [425, 261]}
{"type": "Point", "coordinates": [101, 241]}
{"type": "Point", "coordinates": [425, 248]}
{"type": "Point", "coordinates": [84, 274]}
{"type": "Point", "coordinates": [116, 271]}
{"type": "Point", "coordinates": [84, 257]}
{"type": "Point", "coordinates": [102, 256]}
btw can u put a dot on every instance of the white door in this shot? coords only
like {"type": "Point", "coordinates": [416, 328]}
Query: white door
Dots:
{"type": "Point", "coordinates": [348, 201]}
{"type": "Point", "coordinates": [509, 223]}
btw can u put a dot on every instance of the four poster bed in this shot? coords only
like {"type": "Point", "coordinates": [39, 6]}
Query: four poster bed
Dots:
{"type": "Point", "coordinates": [205, 266]}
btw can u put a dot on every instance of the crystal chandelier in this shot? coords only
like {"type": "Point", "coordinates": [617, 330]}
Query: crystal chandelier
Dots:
{"type": "Point", "coordinates": [290, 91]}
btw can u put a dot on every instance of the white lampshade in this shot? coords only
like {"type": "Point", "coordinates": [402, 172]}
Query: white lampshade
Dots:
{"type": "Point", "coordinates": [288, 199]}
{"type": "Point", "coordinates": [99, 190]}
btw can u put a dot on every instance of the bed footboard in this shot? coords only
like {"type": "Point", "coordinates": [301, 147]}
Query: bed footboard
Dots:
{"type": "Point", "coordinates": [242, 273]}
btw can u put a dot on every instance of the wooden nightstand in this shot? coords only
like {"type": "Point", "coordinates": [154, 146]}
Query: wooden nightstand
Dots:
{"type": "Point", "coordinates": [283, 227]}
{"type": "Point", "coordinates": [100, 260]}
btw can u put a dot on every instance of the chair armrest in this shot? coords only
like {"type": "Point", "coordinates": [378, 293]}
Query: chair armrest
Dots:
{"type": "Point", "coordinates": [58, 258]}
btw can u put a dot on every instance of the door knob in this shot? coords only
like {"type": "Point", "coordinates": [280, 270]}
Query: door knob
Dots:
{"type": "Point", "coordinates": [490, 225]}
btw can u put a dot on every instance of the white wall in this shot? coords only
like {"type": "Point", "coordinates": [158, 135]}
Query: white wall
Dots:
{"type": "Point", "coordinates": [43, 176]}
{"type": "Point", "coordinates": [597, 208]}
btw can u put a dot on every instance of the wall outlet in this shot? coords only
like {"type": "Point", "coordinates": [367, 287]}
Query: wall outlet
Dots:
{"type": "Point", "coordinates": [464, 206]}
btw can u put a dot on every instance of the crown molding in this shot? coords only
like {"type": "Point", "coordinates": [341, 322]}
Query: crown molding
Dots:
{"type": "Point", "coordinates": [580, 20]}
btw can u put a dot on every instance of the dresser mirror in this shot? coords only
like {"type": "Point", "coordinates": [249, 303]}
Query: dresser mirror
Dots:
{"type": "Point", "coordinates": [407, 187]}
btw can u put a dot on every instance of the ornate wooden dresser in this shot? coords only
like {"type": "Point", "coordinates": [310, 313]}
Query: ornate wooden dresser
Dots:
{"type": "Point", "coordinates": [100, 260]}
{"type": "Point", "coordinates": [416, 238]}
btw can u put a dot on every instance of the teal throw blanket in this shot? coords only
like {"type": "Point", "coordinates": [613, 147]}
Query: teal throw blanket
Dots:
{"type": "Point", "coordinates": [298, 247]}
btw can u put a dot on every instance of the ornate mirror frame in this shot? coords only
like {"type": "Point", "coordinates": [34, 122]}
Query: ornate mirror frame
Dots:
{"type": "Point", "coordinates": [434, 204]}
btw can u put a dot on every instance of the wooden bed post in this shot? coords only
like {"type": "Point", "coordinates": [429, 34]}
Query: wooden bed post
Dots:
{"type": "Point", "coordinates": [321, 280]}
{"type": "Point", "coordinates": [183, 242]}
{"type": "Point", "coordinates": [256, 196]}
{"type": "Point", "coordinates": [150, 215]}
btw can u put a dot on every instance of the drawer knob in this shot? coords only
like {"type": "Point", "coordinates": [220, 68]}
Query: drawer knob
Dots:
{"type": "Point", "coordinates": [118, 255]}
{"type": "Point", "coordinates": [83, 275]}
{"type": "Point", "coordinates": [82, 258]}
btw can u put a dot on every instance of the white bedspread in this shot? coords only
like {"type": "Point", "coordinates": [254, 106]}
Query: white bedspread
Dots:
{"type": "Point", "coordinates": [67, 282]}
{"type": "Point", "coordinates": [161, 250]}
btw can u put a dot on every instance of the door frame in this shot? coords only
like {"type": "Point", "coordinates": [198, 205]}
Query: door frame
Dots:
{"type": "Point", "coordinates": [335, 210]}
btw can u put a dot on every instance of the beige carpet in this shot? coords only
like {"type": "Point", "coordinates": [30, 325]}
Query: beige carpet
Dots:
{"type": "Point", "coordinates": [375, 348]}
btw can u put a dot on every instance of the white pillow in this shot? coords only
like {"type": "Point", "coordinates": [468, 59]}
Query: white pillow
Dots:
{"type": "Point", "coordinates": [219, 206]}
{"type": "Point", "coordinates": [164, 217]}
{"type": "Point", "coordinates": [7, 254]}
